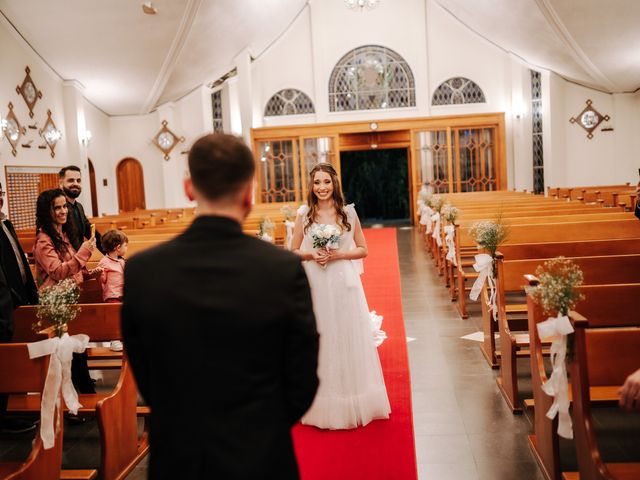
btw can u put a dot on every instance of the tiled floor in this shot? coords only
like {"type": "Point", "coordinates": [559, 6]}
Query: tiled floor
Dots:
{"type": "Point", "coordinates": [463, 427]}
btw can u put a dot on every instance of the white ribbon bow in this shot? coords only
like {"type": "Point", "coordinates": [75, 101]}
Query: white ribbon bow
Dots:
{"type": "Point", "coordinates": [449, 238]}
{"type": "Point", "coordinates": [61, 351]}
{"type": "Point", "coordinates": [484, 266]}
{"type": "Point", "coordinates": [289, 226]}
{"type": "Point", "coordinates": [421, 206]}
{"type": "Point", "coordinates": [425, 218]}
{"type": "Point", "coordinates": [557, 386]}
{"type": "Point", "coordinates": [436, 229]}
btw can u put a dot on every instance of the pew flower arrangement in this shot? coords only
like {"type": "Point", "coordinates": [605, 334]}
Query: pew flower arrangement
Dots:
{"type": "Point", "coordinates": [490, 234]}
{"type": "Point", "coordinates": [267, 228]}
{"type": "Point", "coordinates": [436, 202]}
{"type": "Point", "coordinates": [57, 306]}
{"type": "Point", "coordinates": [450, 213]}
{"type": "Point", "coordinates": [557, 293]}
{"type": "Point", "coordinates": [289, 213]}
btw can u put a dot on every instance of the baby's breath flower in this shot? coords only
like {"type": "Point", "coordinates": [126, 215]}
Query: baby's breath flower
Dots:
{"type": "Point", "coordinates": [557, 291]}
{"type": "Point", "coordinates": [58, 305]}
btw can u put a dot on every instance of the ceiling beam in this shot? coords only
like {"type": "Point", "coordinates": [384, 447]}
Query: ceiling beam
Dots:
{"type": "Point", "coordinates": [576, 52]}
{"type": "Point", "coordinates": [172, 55]}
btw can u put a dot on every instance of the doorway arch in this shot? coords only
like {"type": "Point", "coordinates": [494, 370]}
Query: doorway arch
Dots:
{"type": "Point", "coordinates": [130, 180]}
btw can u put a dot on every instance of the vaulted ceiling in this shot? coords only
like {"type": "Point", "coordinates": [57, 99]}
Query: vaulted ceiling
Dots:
{"type": "Point", "coordinates": [130, 62]}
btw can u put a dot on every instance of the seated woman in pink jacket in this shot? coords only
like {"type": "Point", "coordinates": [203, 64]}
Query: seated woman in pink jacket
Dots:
{"type": "Point", "coordinates": [56, 260]}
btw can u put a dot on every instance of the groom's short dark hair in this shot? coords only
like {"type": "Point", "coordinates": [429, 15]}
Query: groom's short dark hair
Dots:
{"type": "Point", "coordinates": [220, 164]}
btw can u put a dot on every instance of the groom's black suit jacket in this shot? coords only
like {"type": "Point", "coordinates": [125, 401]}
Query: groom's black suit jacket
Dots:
{"type": "Point", "coordinates": [219, 329]}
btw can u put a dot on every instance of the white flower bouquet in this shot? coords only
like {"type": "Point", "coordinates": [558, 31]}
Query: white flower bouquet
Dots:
{"type": "Point", "coordinates": [267, 229]}
{"type": "Point", "coordinates": [450, 213]}
{"type": "Point", "coordinates": [57, 306]}
{"type": "Point", "coordinates": [326, 236]}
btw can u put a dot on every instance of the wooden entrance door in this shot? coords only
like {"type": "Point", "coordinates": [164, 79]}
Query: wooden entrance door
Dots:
{"type": "Point", "coordinates": [130, 185]}
{"type": "Point", "coordinates": [94, 190]}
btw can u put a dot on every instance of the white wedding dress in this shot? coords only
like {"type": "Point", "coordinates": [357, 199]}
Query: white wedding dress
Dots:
{"type": "Point", "coordinates": [352, 391]}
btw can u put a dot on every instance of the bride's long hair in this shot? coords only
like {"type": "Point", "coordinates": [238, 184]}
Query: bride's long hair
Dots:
{"type": "Point", "coordinates": [338, 197]}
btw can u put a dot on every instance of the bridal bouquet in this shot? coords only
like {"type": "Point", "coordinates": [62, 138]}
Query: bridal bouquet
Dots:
{"type": "Point", "coordinates": [57, 306]}
{"type": "Point", "coordinates": [325, 236]}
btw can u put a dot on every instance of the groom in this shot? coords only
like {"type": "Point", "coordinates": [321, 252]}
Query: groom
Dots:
{"type": "Point", "coordinates": [220, 332]}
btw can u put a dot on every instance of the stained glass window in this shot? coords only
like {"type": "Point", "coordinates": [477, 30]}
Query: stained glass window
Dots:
{"type": "Point", "coordinates": [536, 131]}
{"type": "Point", "coordinates": [371, 77]}
{"type": "Point", "coordinates": [458, 90]}
{"type": "Point", "coordinates": [288, 102]}
{"type": "Point", "coordinates": [216, 103]}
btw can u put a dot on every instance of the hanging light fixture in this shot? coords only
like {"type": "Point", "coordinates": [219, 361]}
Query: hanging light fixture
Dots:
{"type": "Point", "coordinates": [361, 4]}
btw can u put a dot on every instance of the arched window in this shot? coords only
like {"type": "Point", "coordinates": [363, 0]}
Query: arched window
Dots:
{"type": "Point", "coordinates": [288, 102]}
{"type": "Point", "coordinates": [456, 91]}
{"type": "Point", "coordinates": [371, 77]}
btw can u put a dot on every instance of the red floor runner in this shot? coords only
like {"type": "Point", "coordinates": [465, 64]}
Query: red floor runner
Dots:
{"type": "Point", "coordinates": [384, 449]}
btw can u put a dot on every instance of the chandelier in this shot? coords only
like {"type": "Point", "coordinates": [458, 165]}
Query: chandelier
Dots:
{"type": "Point", "coordinates": [361, 4]}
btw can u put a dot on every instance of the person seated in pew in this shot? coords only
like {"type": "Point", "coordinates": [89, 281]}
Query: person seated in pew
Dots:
{"type": "Point", "coordinates": [56, 260]}
{"type": "Point", "coordinates": [630, 392]}
{"type": "Point", "coordinates": [18, 281]}
{"type": "Point", "coordinates": [114, 243]}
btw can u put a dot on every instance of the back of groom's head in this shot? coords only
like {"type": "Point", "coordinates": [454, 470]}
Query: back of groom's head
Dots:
{"type": "Point", "coordinates": [220, 165]}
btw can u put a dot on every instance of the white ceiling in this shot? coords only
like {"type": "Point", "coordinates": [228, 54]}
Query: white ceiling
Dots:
{"type": "Point", "coordinates": [130, 62]}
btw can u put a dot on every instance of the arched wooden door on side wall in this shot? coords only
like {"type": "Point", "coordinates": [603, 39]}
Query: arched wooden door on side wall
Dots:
{"type": "Point", "coordinates": [94, 190]}
{"type": "Point", "coordinates": [130, 185]}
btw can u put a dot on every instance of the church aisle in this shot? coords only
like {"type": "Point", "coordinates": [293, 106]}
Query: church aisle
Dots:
{"type": "Point", "coordinates": [384, 449]}
{"type": "Point", "coordinates": [463, 428]}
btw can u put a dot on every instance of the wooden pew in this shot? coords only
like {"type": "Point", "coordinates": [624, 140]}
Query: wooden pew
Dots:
{"type": "Point", "coordinates": [19, 375]}
{"type": "Point", "coordinates": [604, 306]}
{"type": "Point", "coordinates": [603, 357]}
{"type": "Point", "coordinates": [597, 270]}
{"type": "Point", "coordinates": [541, 233]}
{"type": "Point", "coordinates": [117, 411]}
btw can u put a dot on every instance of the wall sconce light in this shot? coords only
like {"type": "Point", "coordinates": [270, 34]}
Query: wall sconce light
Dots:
{"type": "Point", "coordinates": [3, 127]}
{"type": "Point", "coordinates": [86, 137]}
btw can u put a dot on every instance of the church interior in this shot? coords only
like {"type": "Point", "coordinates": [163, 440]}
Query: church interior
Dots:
{"type": "Point", "coordinates": [441, 117]}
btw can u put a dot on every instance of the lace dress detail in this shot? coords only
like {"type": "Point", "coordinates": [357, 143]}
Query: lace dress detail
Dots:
{"type": "Point", "coordinates": [352, 390]}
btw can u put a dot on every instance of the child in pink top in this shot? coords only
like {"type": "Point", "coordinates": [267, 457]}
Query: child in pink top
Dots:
{"type": "Point", "coordinates": [115, 244]}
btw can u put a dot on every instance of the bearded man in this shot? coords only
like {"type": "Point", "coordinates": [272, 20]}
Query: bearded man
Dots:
{"type": "Point", "coordinates": [71, 184]}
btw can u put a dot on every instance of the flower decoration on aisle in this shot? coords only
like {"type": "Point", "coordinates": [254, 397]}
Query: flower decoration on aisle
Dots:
{"type": "Point", "coordinates": [267, 228]}
{"type": "Point", "coordinates": [450, 213]}
{"type": "Point", "coordinates": [58, 305]}
{"type": "Point", "coordinates": [557, 292]}
{"type": "Point", "coordinates": [289, 222]}
{"type": "Point", "coordinates": [489, 235]}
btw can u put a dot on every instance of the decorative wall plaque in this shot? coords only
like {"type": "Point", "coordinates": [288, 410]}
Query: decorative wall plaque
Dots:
{"type": "Point", "coordinates": [50, 134]}
{"type": "Point", "coordinates": [13, 130]}
{"type": "Point", "coordinates": [29, 92]}
{"type": "Point", "coordinates": [589, 119]}
{"type": "Point", "coordinates": [166, 140]}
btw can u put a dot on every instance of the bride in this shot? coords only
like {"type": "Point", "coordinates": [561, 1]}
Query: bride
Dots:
{"type": "Point", "coordinates": [352, 390]}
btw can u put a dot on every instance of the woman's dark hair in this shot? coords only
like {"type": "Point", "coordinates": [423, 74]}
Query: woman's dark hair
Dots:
{"type": "Point", "coordinates": [113, 239]}
{"type": "Point", "coordinates": [338, 197]}
{"type": "Point", "coordinates": [44, 218]}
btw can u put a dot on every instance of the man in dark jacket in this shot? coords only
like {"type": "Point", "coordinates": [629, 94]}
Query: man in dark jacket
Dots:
{"type": "Point", "coordinates": [71, 185]}
{"type": "Point", "coordinates": [220, 332]}
{"type": "Point", "coordinates": [16, 288]}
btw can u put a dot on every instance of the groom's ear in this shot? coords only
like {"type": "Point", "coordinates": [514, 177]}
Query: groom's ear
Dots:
{"type": "Point", "coordinates": [188, 189]}
{"type": "Point", "coordinates": [247, 195]}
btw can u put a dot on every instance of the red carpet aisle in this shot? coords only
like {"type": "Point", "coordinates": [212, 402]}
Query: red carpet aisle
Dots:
{"type": "Point", "coordinates": [384, 449]}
